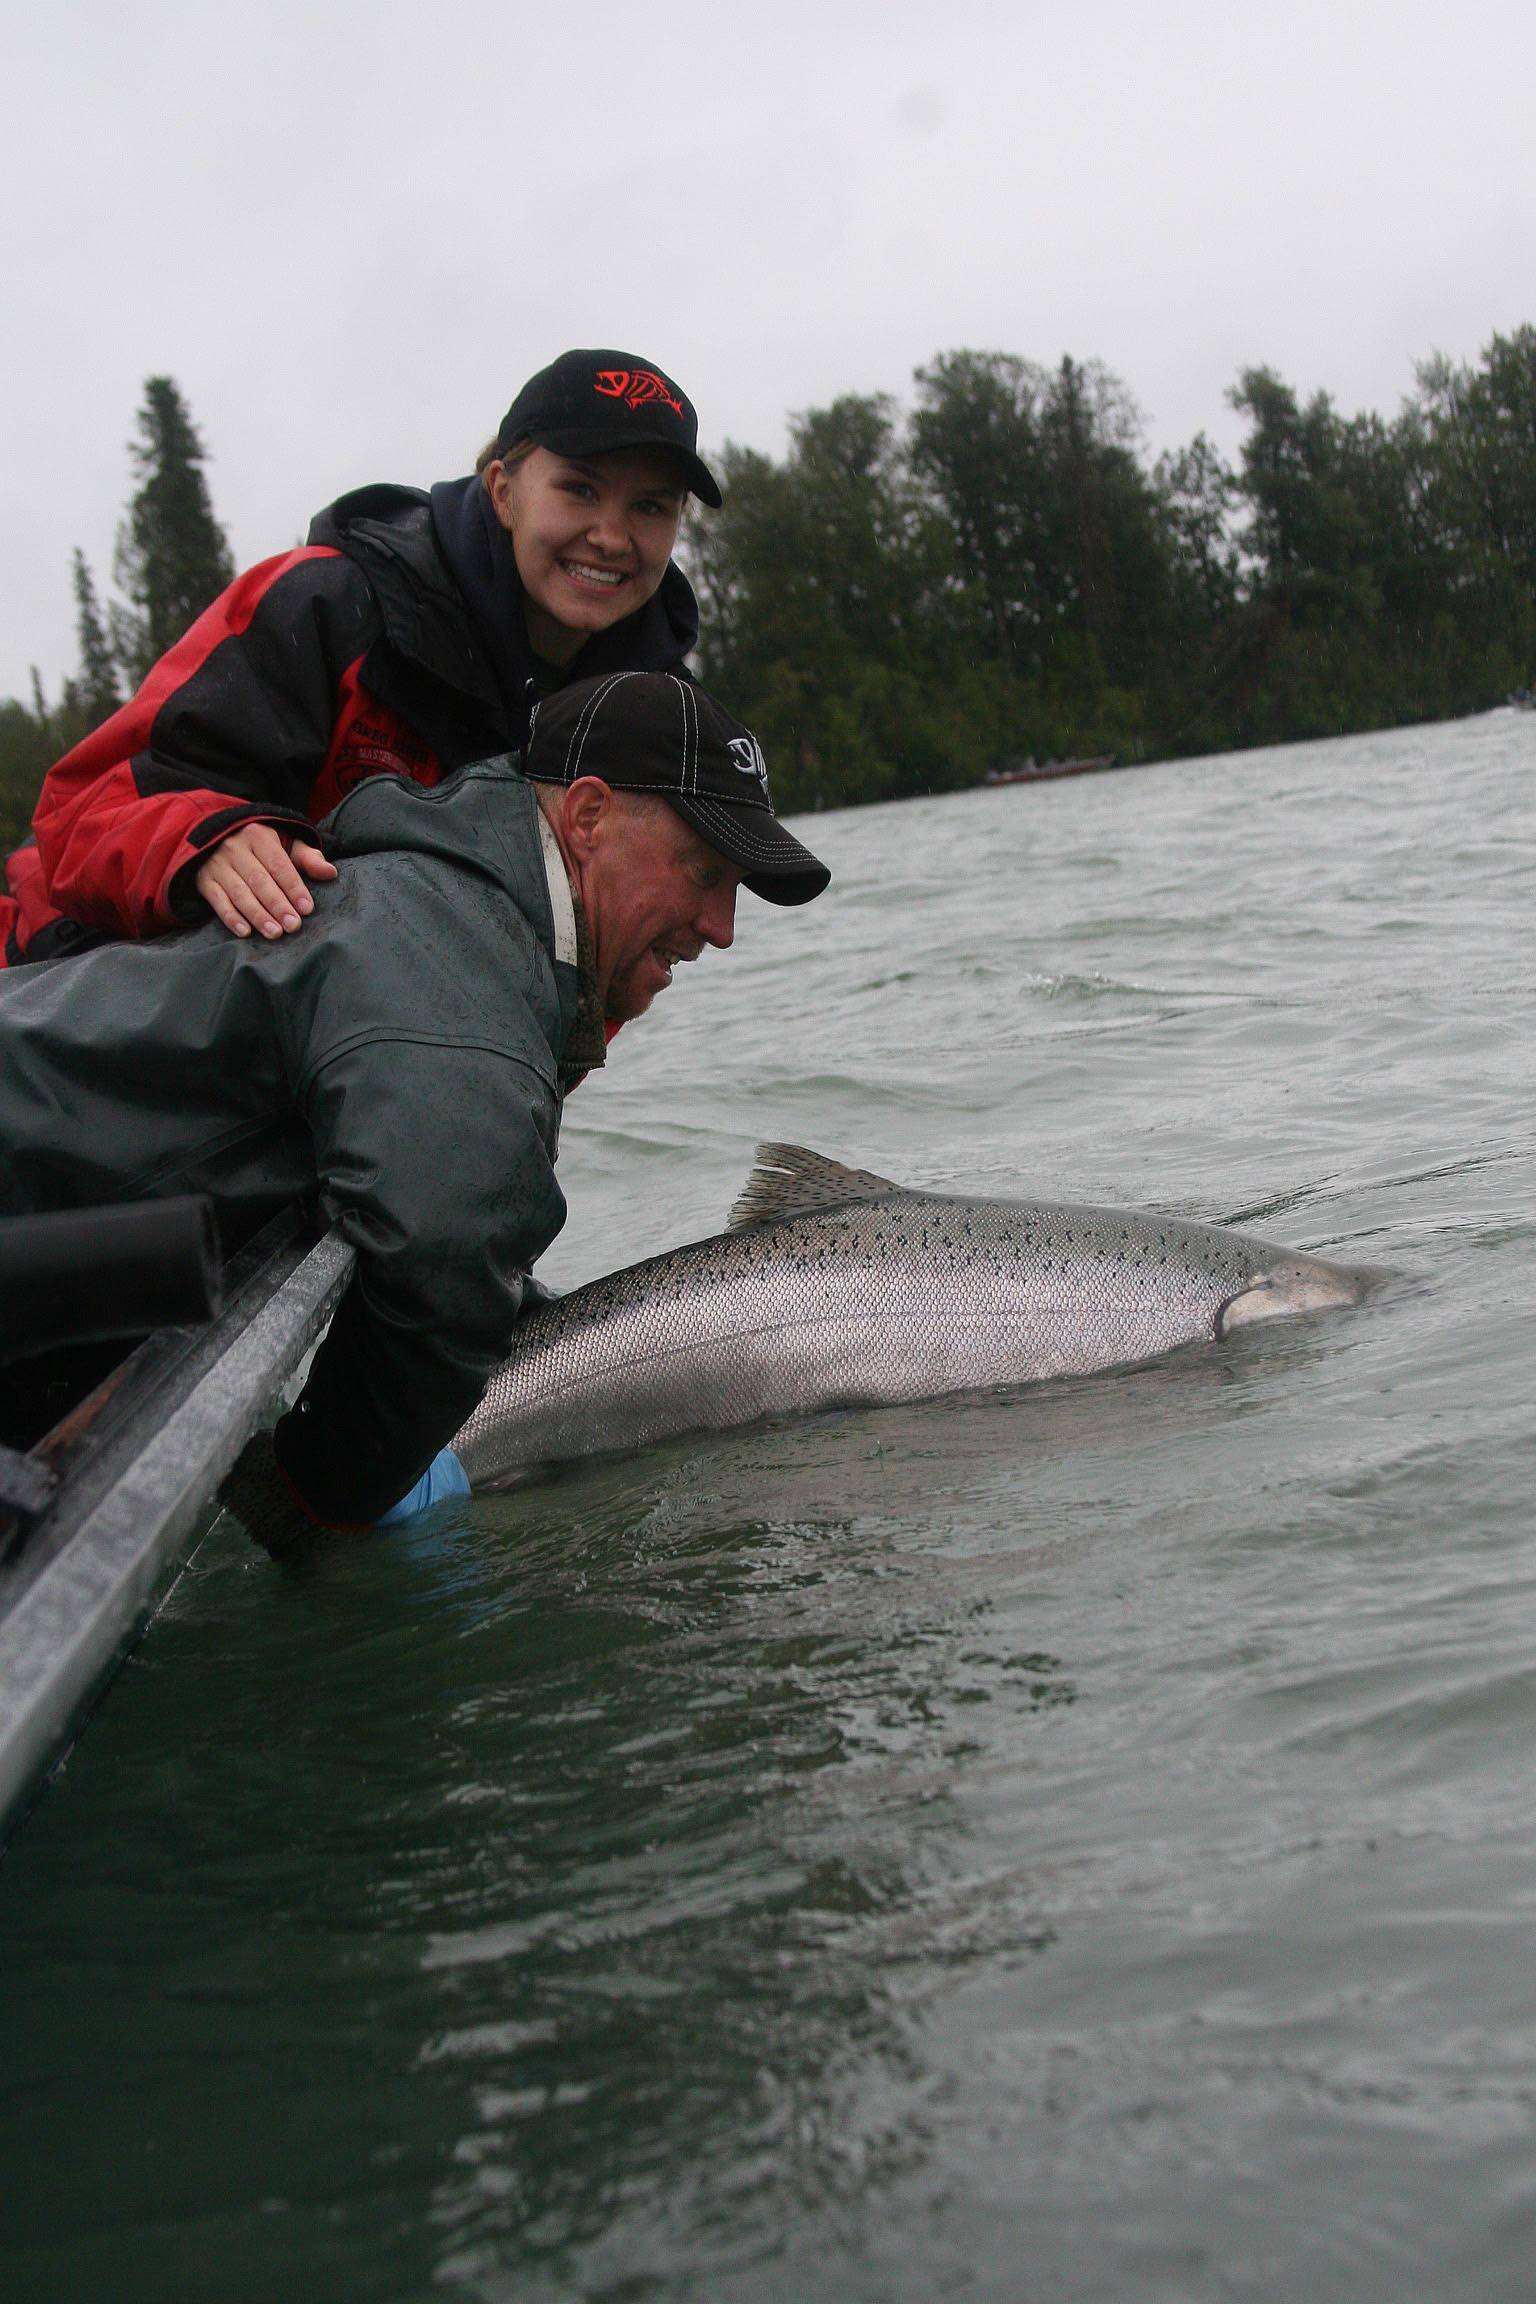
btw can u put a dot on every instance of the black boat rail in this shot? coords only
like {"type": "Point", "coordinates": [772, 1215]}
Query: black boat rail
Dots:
{"type": "Point", "coordinates": [83, 1275]}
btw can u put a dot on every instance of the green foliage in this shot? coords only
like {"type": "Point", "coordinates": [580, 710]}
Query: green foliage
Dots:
{"type": "Point", "coordinates": [26, 748]}
{"type": "Point", "coordinates": [172, 557]}
{"type": "Point", "coordinates": [977, 444]}
{"type": "Point", "coordinates": [97, 682]}
{"type": "Point", "coordinates": [902, 603]}
{"type": "Point", "coordinates": [172, 560]}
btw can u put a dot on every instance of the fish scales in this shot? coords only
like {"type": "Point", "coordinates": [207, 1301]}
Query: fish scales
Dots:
{"type": "Point", "coordinates": [882, 1296]}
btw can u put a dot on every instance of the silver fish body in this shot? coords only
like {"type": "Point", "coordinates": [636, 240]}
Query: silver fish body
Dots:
{"type": "Point", "coordinates": [834, 1287]}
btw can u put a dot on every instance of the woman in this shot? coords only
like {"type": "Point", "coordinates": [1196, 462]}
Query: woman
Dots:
{"type": "Point", "coordinates": [410, 635]}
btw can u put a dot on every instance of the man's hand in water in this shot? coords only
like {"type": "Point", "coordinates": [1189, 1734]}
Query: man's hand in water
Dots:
{"type": "Point", "coordinates": [253, 880]}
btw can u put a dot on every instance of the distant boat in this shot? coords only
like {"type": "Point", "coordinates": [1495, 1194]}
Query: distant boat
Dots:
{"type": "Point", "coordinates": [1040, 772]}
{"type": "Point", "coordinates": [1523, 700]}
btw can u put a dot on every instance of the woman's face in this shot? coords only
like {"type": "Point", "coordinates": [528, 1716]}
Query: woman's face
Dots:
{"type": "Point", "coordinates": [591, 535]}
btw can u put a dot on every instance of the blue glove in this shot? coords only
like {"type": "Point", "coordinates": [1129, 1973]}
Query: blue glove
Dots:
{"type": "Point", "coordinates": [444, 1476]}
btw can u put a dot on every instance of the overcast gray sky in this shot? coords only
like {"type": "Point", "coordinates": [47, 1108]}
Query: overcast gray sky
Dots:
{"type": "Point", "coordinates": [349, 231]}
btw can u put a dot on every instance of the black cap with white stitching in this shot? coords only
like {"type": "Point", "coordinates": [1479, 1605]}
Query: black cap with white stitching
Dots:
{"type": "Point", "coordinates": [660, 732]}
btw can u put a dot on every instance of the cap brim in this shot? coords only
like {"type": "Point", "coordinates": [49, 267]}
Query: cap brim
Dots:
{"type": "Point", "coordinates": [576, 440]}
{"type": "Point", "coordinates": [771, 861]}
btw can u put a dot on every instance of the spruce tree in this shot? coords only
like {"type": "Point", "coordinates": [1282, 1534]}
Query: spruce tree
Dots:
{"type": "Point", "coordinates": [26, 747]}
{"type": "Point", "coordinates": [172, 556]}
{"type": "Point", "coordinates": [97, 680]}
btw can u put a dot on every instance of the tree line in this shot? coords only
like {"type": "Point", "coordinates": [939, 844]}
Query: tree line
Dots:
{"type": "Point", "coordinates": [913, 595]}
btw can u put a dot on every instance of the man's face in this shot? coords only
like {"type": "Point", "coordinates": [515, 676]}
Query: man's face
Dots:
{"type": "Point", "coordinates": [655, 893]}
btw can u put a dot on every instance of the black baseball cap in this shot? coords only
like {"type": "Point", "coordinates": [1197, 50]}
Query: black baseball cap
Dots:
{"type": "Point", "coordinates": [659, 732]}
{"type": "Point", "coordinates": [585, 402]}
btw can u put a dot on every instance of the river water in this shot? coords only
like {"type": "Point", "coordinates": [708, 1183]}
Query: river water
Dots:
{"type": "Point", "coordinates": [1069, 1845]}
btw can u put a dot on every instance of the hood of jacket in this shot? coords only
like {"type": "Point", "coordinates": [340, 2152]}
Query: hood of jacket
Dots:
{"type": "Point", "coordinates": [483, 820]}
{"type": "Point", "coordinates": [451, 600]}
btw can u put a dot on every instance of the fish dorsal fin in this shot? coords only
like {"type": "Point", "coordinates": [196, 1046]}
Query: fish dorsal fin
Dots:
{"type": "Point", "coordinates": [786, 1181]}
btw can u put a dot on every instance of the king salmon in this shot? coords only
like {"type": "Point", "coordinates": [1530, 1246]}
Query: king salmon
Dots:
{"type": "Point", "coordinates": [832, 1287]}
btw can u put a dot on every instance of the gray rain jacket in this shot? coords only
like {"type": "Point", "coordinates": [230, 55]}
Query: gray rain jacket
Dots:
{"type": "Point", "coordinates": [399, 1057]}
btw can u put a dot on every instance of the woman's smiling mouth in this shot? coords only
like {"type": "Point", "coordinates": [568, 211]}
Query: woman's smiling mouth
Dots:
{"type": "Point", "coordinates": [583, 572]}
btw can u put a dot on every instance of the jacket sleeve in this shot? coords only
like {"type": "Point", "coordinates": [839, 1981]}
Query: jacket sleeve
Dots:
{"type": "Point", "coordinates": [231, 727]}
{"type": "Point", "coordinates": [437, 1163]}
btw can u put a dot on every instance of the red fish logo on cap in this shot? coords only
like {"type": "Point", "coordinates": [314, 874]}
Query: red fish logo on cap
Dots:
{"type": "Point", "coordinates": [636, 387]}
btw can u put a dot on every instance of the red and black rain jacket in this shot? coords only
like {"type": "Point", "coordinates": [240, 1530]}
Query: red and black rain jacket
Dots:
{"type": "Point", "coordinates": [391, 643]}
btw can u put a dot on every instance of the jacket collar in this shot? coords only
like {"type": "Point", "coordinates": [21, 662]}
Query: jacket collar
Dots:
{"type": "Point", "coordinates": [388, 532]}
{"type": "Point", "coordinates": [586, 1042]}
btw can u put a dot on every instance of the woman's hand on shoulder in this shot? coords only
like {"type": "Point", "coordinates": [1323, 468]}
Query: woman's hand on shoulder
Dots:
{"type": "Point", "coordinates": [255, 878]}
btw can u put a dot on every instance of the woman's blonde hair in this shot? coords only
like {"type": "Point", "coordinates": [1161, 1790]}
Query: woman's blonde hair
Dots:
{"type": "Point", "coordinates": [491, 454]}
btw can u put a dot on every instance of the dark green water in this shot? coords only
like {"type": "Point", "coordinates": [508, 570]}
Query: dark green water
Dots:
{"type": "Point", "coordinates": [1075, 1845]}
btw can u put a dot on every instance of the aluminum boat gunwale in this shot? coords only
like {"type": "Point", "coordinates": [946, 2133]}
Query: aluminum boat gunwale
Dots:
{"type": "Point", "coordinates": [137, 1490]}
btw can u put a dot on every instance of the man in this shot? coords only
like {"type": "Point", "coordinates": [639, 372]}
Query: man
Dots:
{"type": "Point", "coordinates": [405, 1056]}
